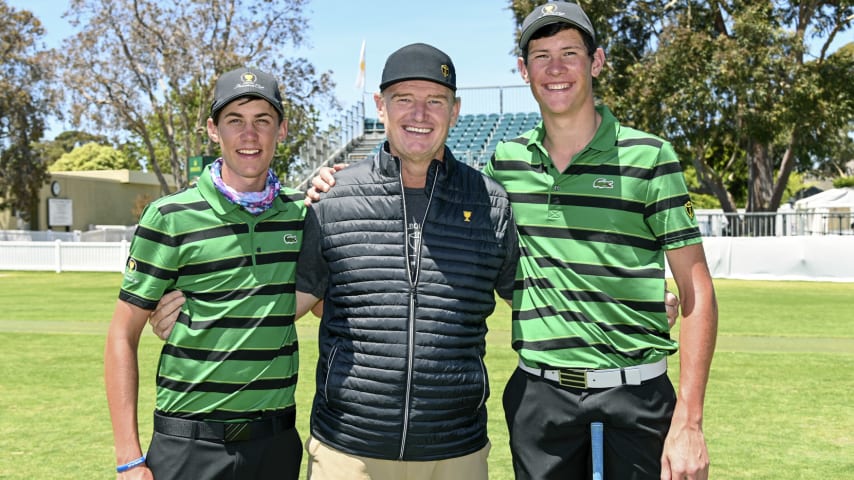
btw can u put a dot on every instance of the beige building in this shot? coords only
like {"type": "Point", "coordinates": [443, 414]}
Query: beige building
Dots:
{"type": "Point", "coordinates": [76, 200]}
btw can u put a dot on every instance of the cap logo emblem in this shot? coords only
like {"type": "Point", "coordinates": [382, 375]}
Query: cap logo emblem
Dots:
{"type": "Point", "coordinates": [249, 80]}
{"type": "Point", "coordinates": [445, 70]}
{"type": "Point", "coordinates": [550, 9]}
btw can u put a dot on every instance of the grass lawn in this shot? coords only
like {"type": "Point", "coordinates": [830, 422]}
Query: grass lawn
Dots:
{"type": "Point", "coordinates": [778, 403]}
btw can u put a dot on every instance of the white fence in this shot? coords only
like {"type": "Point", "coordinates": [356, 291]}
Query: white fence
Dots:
{"type": "Point", "coordinates": [812, 258]}
{"type": "Point", "coordinates": [62, 256]}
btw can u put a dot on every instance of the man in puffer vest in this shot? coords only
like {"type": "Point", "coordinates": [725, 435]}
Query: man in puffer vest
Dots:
{"type": "Point", "coordinates": [406, 253]}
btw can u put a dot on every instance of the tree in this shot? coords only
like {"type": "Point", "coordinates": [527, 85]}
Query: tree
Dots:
{"type": "Point", "coordinates": [732, 86]}
{"type": "Point", "coordinates": [91, 156]}
{"type": "Point", "coordinates": [149, 68]}
{"type": "Point", "coordinates": [51, 150]}
{"type": "Point", "coordinates": [24, 100]}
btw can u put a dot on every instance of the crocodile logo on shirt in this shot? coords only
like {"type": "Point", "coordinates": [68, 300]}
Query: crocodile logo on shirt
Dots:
{"type": "Point", "coordinates": [603, 183]}
{"type": "Point", "coordinates": [290, 239]}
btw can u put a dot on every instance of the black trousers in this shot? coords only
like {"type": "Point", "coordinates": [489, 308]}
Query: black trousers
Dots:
{"type": "Point", "coordinates": [179, 458]}
{"type": "Point", "coordinates": [550, 428]}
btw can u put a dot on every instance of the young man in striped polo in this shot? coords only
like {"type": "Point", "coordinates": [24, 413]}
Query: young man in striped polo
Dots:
{"type": "Point", "coordinates": [598, 207]}
{"type": "Point", "coordinates": [227, 374]}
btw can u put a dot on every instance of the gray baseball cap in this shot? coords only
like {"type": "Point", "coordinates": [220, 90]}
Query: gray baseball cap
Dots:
{"type": "Point", "coordinates": [555, 12]}
{"type": "Point", "coordinates": [246, 82]}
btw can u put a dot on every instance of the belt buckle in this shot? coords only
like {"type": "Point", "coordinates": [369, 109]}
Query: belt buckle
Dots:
{"type": "Point", "coordinates": [237, 432]}
{"type": "Point", "coordinates": [572, 378]}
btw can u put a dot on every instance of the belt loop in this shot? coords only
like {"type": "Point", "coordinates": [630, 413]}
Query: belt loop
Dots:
{"type": "Point", "coordinates": [194, 430]}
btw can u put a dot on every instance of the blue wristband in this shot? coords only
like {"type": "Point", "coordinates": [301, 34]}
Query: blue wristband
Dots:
{"type": "Point", "coordinates": [133, 463]}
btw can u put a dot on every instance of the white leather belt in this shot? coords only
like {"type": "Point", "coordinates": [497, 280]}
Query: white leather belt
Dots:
{"type": "Point", "coordinates": [606, 378]}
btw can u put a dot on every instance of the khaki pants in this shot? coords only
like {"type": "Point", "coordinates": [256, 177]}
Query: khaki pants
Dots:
{"type": "Point", "coordinates": [326, 463]}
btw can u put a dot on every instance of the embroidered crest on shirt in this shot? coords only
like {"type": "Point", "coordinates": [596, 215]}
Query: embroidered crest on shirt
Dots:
{"type": "Point", "coordinates": [130, 271]}
{"type": "Point", "coordinates": [689, 209]}
{"type": "Point", "coordinates": [467, 215]}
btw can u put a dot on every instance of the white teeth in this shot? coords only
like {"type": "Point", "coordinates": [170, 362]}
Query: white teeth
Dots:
{"type": "Point", "coordinates": [418, 130]}
{"type": "Point", "coordinates": [557, 86]}
{"type": "Point", "coordinates": [249, 152]}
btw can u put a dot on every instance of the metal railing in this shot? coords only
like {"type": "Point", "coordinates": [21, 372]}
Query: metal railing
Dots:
{"type": "Point", "coordinates": [776, 224]}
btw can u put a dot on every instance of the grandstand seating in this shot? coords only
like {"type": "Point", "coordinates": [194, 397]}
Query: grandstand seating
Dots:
{"type": "Point", "coordinates": [474, 137]}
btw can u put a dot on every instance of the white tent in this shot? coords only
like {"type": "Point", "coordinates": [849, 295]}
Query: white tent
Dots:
{"type": "Point", "coordinates": [828, 212]}
{"type": "Point", "coordinates": [833, 198]}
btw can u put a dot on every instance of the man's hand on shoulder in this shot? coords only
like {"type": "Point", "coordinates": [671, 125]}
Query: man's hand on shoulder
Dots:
{"type": "Point", "coordinates": [671, 304]}
{"type": "Point", "coordinates": [163, 318]}
{"type": "Point", "coordinates": [322, 182]}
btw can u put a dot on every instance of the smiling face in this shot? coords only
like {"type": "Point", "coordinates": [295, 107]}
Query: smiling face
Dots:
{"type": "Point", "coordinates": [561, 72]}
{"type": "Point", "coordinates": [417, 115]}
{"type": "Point", "coordinates": [247, 131]}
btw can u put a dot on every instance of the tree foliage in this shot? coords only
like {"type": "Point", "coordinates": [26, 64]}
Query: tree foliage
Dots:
{"type": "Point", "coordinates": [24, 101]}
{"type": "Point", "coordinates": [51, 150]}
{"type": "Point", "coordinates": [733, 85]}
{"type": "Point", "coordinates": [148, 68]}
{"type": "Point", "coordinates": [91, 156]}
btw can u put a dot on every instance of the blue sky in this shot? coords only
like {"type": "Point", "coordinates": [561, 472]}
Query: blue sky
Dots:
{"type": "Point", "coordinates": [478, 35]}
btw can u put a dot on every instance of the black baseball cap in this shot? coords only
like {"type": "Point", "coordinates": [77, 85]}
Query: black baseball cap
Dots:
{"type": "Point", "coordinates": [554, 12]}
{"type": "Point", "coordinates": [419, 61]}
{"type": "Point", "coordinates": [246, 82]}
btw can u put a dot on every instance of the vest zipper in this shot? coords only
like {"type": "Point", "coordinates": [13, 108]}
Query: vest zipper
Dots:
{"type": "Point", "coordinates": [413, 283]}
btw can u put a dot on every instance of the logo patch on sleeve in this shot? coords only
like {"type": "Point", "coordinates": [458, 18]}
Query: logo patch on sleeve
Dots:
{"type": "Point", "coordinates": [689, 209]}
{"type": "Point", "coordinates": [130, 271]}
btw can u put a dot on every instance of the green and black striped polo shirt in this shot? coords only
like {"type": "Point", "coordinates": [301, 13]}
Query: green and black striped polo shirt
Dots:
{"type": "Point", "coordinates": [232, 356]}
{"type": "Point", "coordinates": [590, 284]}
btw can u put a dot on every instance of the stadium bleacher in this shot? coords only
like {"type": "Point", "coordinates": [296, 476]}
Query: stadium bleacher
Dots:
{"type": "Point", "coordinates": [474, 137]}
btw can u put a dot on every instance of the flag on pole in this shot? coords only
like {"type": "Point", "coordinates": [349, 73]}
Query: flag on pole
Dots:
{"type": "Point", "coordinates": [360, 79]}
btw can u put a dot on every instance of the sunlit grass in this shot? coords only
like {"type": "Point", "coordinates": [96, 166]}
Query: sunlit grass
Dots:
{"type": "Point", "coordinates": [777, 404]}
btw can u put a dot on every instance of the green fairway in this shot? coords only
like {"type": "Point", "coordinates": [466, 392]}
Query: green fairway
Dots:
{"type": "Point", "coordinates": [778, 402]}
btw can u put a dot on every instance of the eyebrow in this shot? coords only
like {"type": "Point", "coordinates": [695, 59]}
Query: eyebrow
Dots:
{"type": "Point", "coordinates": [430, 96]}
{"type": "Point", "coordinates": [240, 115]}
{"type": "Point", "coordinates": [560, 49]}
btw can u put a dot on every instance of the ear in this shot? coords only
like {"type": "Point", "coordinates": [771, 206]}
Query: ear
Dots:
{"type": "Point", "coordinates": [455, 111]}
{"type": "Point", "coordinates": [213, 133]}
{"type": "Point", "coordinates": [378, 101]}
{"type": "Point", "coordinates": [283, 130]}
{"type": "Point", "coordinates": [523, 69]}
{"type": "Point", "coordinates": [598, 62]}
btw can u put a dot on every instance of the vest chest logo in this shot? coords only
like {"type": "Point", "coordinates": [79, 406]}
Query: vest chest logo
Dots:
{"type": "Point", "coordinates": [467, 215]}
{"type": "Point", "coordinates": [603, 183]}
